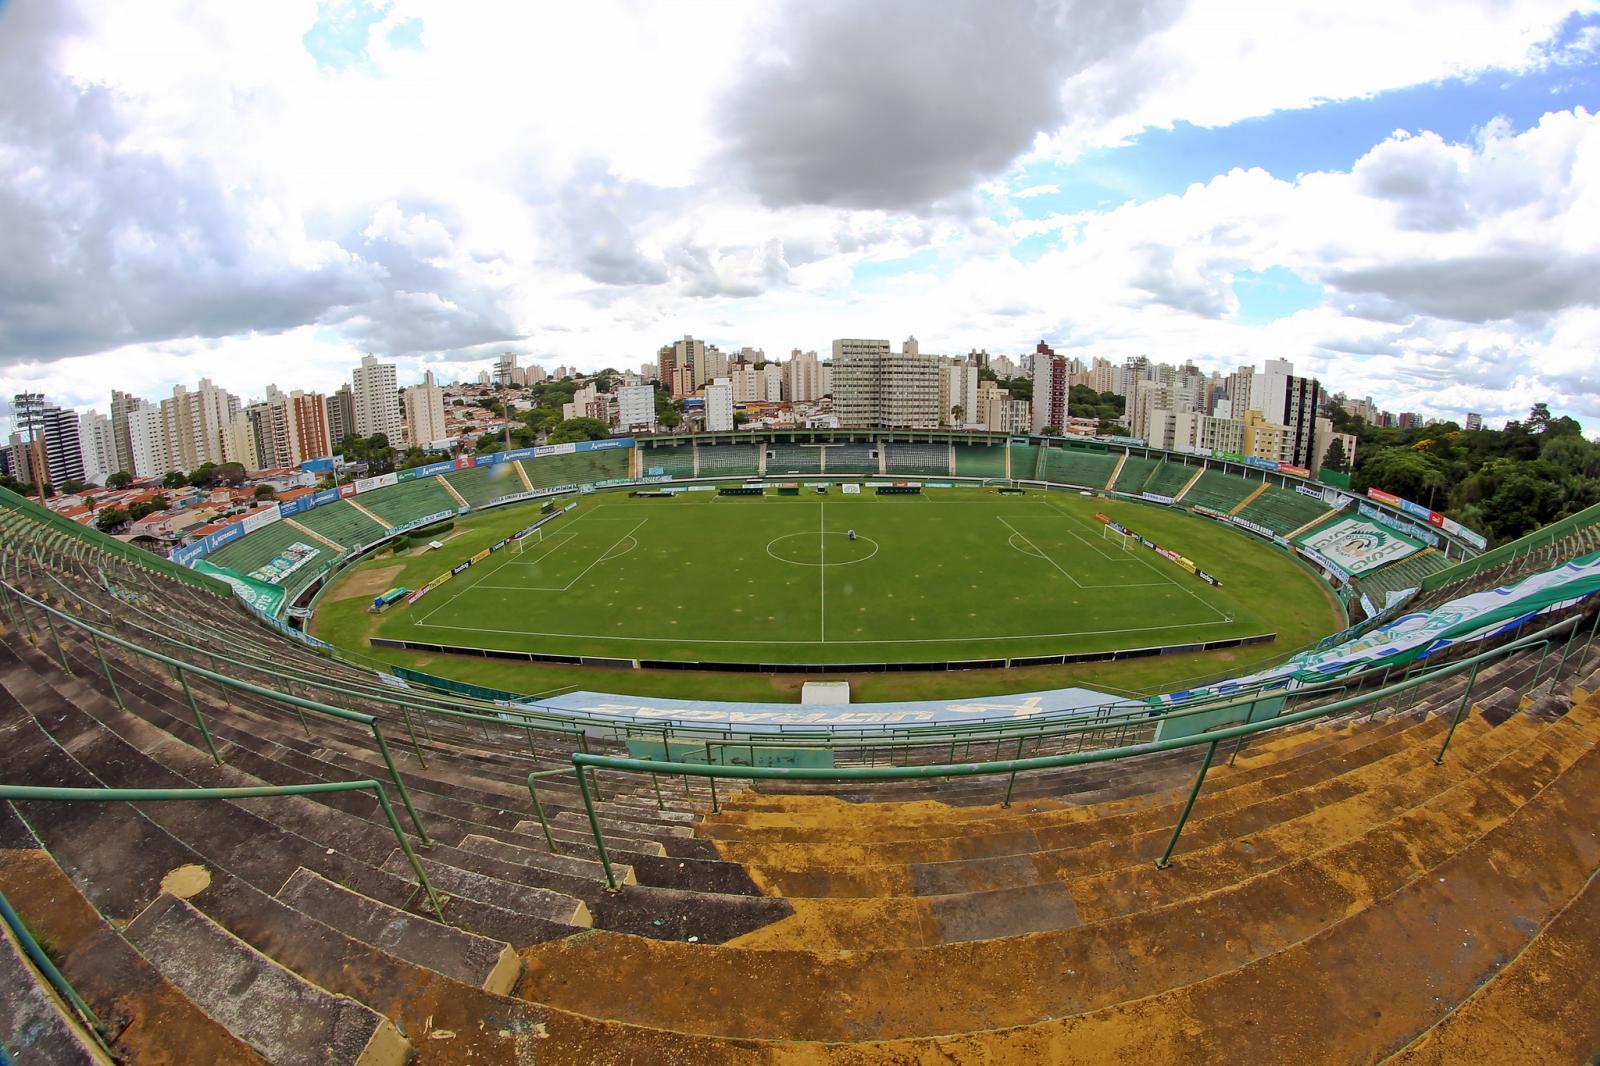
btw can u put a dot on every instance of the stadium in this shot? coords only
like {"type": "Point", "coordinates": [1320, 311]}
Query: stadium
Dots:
{"type": "Point", "coordinates": [1145, 755]}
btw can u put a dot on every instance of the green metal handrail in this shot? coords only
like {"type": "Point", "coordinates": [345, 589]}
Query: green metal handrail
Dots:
{"type": "Point", "coordinates": [63, 988]}
{"type": "Point", "coordinates": [161, 795]}
{"type": "Point", "coordinates": [1542, 638]}
{"type": "Point", "coordinates": [300, 705]}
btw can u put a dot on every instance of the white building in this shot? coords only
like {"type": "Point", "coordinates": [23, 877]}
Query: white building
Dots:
{"type": "Point", "coordinates": [97, 446]}
{"type": "Point", "coordinates": [958, 390]}
{"type": "Point", "coordinates": [874, 387]}
{"type": "Point", "coordinates": [424, 406]}
{"type": "Point", "coordinates": [807, 377]}
{"type": "Point", "coordinates": [636, 407]}
{"type": "Point", "coordinates": [147, 442]}
{"type": "Point", "coordinates": [377, 403]}
{"type": "Point", "coordinates": [719, 406]}
{"type": "Point", "coordinates": [506, 371]}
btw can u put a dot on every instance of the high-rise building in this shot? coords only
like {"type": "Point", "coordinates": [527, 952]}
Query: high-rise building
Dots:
{"type": "Point", "coordinates": [121, 404]}
{"type": "Point", "coordinates": [1050, 389]}
{"type": "Point", "coordinates": [874, 387]}
{"type": "Point", "coordinates": [147, 442]}
{"type": "Point", "coordinates": [688, 354]}
{"type": "Point", "coordinates": [195, 425]}
{"type": "Point", "coordinates": [719, 406]}
{"type": "Point", "coordinates": [313, 436]}
{"type": "Point", "coordinates": [958, 394]}
{"type": "Point", "coordinates": [1474, 420]}
{"type": "Point", "coordinates": [97, 443]}
{"type": "Point", "coordinates": [714, 365]}
{"type": "Point", "coordinates": [341, 414]}
{"type": "Point", "coordinates": [376, 402]}
{"type": "Point", "coordinates": [806, 377]}
{"type": "Point", "coordinates": [636, 407]}
{"type": "Point", "coordinates": [505, 369]}
{"type": "Point", "coordinates": [1292, 402]}
{"type": "Point", "coordinates": [425, 410]}
{"type": "Point", "coordinates": [52, 433]}
{"type": "Point", "coordinates": [1193, 431]}
{"type": "Point", "coordinates": [242, 442]}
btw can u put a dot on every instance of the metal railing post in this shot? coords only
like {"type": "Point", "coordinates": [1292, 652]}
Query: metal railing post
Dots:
{"type": "Point", "coordinates": [36, 955]}
{"type": "Point", "coordinates": [1455, 719]}
{"type": "Point", "coordinates": [405, 846]}
{"type": "Point", "coordinates": [415, 746]}
{"type": "Point", "coordinates": [594, 824]}
{"type": "Point", "coordinates": [198, 719]}
{"type": "Point", "coordinates": [61, 649]}
{"type": "Point", "coordinates": [98, 650]}
{"type": "Point", "coordinates": [400, 786]}
{"type": "Point", "coordinates": [1010, 784]}
{"type": "Point", "coordinates": [538, 811]}
{"type": "Point", "coordinates": [1194, 794]}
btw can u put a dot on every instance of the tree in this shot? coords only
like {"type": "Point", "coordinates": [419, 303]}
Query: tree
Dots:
{"type": "Point", "coordinates": [203, 476]}
{"type": "Point", "coordinates": [577, 429]}
{"type": "Point", "coordinates": [957, 414]}
{"type": "Point", "coordinates": [1335, 457]}
{"type": "Point", "coordinates": [109, 518]}
{"type": "Point", "coordinates": [74, 487]}
{"type": "Point", "coordinates": [266, 492]}
{"type": "Point", "coordinates": [1050, 431]}
{"type": "Point", "coordinates": [120, 480]}
{"type": "Point", "coordinates": [175, 480]}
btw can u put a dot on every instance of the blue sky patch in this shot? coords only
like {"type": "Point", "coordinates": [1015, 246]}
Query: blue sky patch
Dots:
{"type": "Point", "coordinates": [1270, 294]}
{"type": "Point", "coordinates": [339, 38]}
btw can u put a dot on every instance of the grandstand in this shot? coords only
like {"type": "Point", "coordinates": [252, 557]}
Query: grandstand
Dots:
{"type": "Point", "coordinates": [1219, 491]}
{"type": "Point", "coordinates": [578, 468]}
{"type": "Point", "coordinates": [1282, 510]}
{"type": "Point", "coordinates": [1074, 466]}
{"type": "Point", "coordinates": [342, 524]}
{"type": "Point", "coordinates": [851, 458]}
{"type": "Point", "coordinates": [1168, 479]}
{"type": "Point", "coordinates": [914, 458]}
{"type": "Point", "coordinates": [1397, 870]}
{"type": "Point", "coordinates": [398, 504]}
{"type": "Point", "coordinates": [478, 485]}
{"type": "Point", "coordinates": [254, 554]}
{"type": "Point", "coordinates": [793, 459]}
{"type": "Point", "coordinates": [1408, 573]}
{"type": "Point", "coordinates": [673, 460]}
{"type": "Point", "coordinates": [1027, 461]}
{"type": "Point", "coordinates": [981, 460]}
{"type": "Point", "coordinates": [1136, 470]}
{"type": "Point", "coordinates": [724, 460]}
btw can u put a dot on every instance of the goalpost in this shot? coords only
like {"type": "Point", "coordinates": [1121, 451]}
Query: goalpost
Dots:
{"type": "Point", "coordinates": [536, 537]}
{"type": "Point", "coordinates": [1106, 532]}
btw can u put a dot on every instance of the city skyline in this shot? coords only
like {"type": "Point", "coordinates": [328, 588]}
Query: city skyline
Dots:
{"type": "Point", "coordinates": [1401, 212]}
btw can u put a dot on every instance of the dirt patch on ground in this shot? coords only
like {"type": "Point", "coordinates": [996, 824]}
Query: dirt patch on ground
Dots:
{"type": "Point", "coordinates": [366, 583]}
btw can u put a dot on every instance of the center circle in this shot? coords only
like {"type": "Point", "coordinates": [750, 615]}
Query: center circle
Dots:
{"type": "Point", "coordinates": [818, 548]}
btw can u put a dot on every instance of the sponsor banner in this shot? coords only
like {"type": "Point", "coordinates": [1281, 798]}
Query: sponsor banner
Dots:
{"type": "Point", "coordinates": [1207, 578]}
{"type": "Point", "coordinates": [1468, 619]}
{"type": "Point", "coordinates": [1451, 526]}
{"type": "Point", "coordinates": [367, 484]}
{"type": "Point", "coordinates": [425, 520]}
{"type": "Point", "coordinates": [435, 469]}
{"type": "Point", "coordinates": [1415, 509]}
{"type": "Point", "coordinates": [570, 507]}
{"type": "Point", "coordinates": [186, 555]}
{"type": "Point", "coordinates": [1436, 519]}
{"type": "Point", "coordinates": [938, 484]}
{"type": "Point", "coordinates": [701, 488]}
{"type": "Point", "coordinates": [554, 449]}
{"type": "Point", "coordinates": [442, 578]}
{"type": "Point", "coordinates": [324, 497]}
{"type": "Point", "coordinates": [1410, 529]}
{"type": "Point", "coordinates": [459, 567]}
{"type": "Point", "coordinates": [347, 490]}
{"type": "Point", "coordinates": [1295, 471]}
{"type": "Point", "coordinates": [1312, 491]}
{"type": "Point", "coordinates": [1257, 529]}
{"type": "Point", "coordinates": [1209, 512]}
{"type": "Point", "coordinates": [406, 475]}
{"type": "Point", "coordinates": [1327, 564]}
{"type": "Point", "coordinates": [851, 489]}
{"type": "Point", "coordinates": [499, 544]}
{"type": "Point", "coordinates": [265, 598]}
{"type": "Point", "coordinates": [603, 445]}
{"type": "Point", "coordinates": [318, 466]}
{"type": "Point", "coordinates": [1366, 605]}
{"type": "Point", "coordinates": [466, 462]}
{"type": "Point", "coordinates": [513, 497]}
{"type": "Point", "coordinates": [480, 557]}
{"type": "Point", "coordinates": [1383, 497]}
{"type": "Point", "coordinates": [417, 595]}
{"type": "Point", "coordinates": [1156, 497]}
{"type": "Point", "coordinates": [1355, 547]}
{"type": "Point", "coordinates": [294, 507]}
{"type": "Point", "coordinates": [286, 562]}
{"type": "Point", "coordinates": [252, 522]}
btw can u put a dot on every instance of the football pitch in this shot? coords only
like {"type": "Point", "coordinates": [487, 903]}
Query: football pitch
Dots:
{"type": "Point", "coordinates": [949, 575]}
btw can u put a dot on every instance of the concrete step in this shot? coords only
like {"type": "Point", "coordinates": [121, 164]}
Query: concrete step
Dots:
{"type": "Point", "coordinates": [466, 957]}
{"type": "Point", "coordinates": [287, 1019]}
{"type": "Point", "coordinates": [521, 899]}
{"type": "Point", "coordinates": [36, 1025]}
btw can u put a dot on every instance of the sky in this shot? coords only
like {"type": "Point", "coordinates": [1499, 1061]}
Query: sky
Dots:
{"type": "Point", "coordinates": [1401, 198]}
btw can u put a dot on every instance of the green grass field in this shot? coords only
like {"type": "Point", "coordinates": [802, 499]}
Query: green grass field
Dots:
{"type": "Point", "coordinates": [950, 575]}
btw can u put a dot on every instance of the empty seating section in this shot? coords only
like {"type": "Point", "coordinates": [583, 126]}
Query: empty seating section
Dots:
{"type": "Point", "coordinates": [976, 460]}
{"type": "Point", "coordinates": [1219, 491]}
{"type": "Point", "coordinates": [918, 458]}
{"type": "Point", "coordinates": [724, 460]}
{"type": "Point", "coordinates": [852, 458]}
{"type": "Point", "coordinates": [1167, 479]}
{"type": "Point", "coordinates": [1025, 460]}
{"type": "Point", "coordinates": [579, 468]}
{"type": "Point", "coordinates": [675, 460]}
{"type": "Point", "coordinates": [480, 484]}
{"type": "Point", "coordinates": [1405, 574]}
{"type": "Point", "coordinates": [399, 504]}
{"type": "Point", "coordinates": [341, 523]}
{"type": "Point", "coordinates": [1339, 892]}
{"type": "Point", "coordinates": [1136, 470]}
{"type": "Point", "coordinates": [300, 557]}
{"type": "Point", "coordinates": [793, 459]}
{"type": "Point", "coordinates": [1075, 466]}
{"type": "Point", "coordinates": [1283, 510]}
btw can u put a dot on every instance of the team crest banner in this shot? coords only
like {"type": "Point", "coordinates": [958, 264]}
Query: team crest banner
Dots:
{"type": "Point", "coordinates": [1356, 547]}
